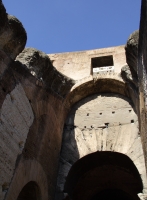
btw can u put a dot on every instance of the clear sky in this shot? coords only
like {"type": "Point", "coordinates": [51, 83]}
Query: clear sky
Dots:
{"type": "Point", "coordinates": [55, 26]}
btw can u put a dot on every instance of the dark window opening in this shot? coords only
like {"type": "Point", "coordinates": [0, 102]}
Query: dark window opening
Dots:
{"type": "Point", "coordinates": [102, 61]}
{"type": "Point", "coordinates": [102, 64]}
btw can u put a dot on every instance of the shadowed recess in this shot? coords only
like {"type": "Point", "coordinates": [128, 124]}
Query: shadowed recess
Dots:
{"type": "Point", "coordinates": [112, 194]}
{"type": "Point", "coordinates": [30, 191]}
{"type": "Point", "coordinates": [101, 171]}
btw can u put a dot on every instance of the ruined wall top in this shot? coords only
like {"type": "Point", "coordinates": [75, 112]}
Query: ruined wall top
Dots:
{"type": "Point", "coordinates": [12, 34]}
{"type": "Point", "coordinates": [78, 65]}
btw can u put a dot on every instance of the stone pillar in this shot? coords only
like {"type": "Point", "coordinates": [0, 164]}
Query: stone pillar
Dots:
{"type": "Point", "coordinates": [142, 75]}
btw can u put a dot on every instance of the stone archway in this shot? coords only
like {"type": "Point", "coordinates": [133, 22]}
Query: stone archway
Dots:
{"type": "Point", "coordinates": [101, 175]}
{"type": "Point", "coordinates": [100, 122]}
{"type": "Point", "coordinates": [28, 171]}
{"type": "Point", "coordinates": [30, 191]}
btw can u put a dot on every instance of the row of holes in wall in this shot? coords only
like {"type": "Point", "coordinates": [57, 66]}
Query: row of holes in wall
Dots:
{"type": "Point", "coordinates": [113, 112]}
{"type": "Point", "coordinates": [107, 124]}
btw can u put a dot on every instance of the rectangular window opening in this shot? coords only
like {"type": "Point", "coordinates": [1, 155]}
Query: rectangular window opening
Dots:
{"type": "Point", "coordinates": [102, 64]}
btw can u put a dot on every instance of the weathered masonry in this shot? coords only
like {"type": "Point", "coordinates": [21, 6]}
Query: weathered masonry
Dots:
{"type": "Point", "coordinates": [101, 127]}
{"type": "Point", "coordinates": [72, 125]}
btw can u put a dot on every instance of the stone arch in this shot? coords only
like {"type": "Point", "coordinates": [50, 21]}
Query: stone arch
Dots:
{"type": "Point", "coordinates": [30, 191]}
{"type": "Point", "coordinates": [102, 83]}
{"type": "Point", "coordinates": [99, 84]}
{"type": "Point", "coordinates": [102, 174]}
{"type": "Point", "coordinates": [28, 171]}
{"type": "Point", "coordinates": [103, 121]}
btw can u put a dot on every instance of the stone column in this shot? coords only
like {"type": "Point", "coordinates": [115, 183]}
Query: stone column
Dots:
{"type": "Point", "coordinates": [142, 76]}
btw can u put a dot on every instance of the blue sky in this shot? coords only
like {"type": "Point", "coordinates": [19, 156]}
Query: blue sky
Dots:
{"type": "Point", "coordinates": [55, 26]}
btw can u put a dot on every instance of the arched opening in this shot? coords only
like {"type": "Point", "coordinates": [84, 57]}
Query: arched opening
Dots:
{"type": "Point", "coordinates": [93, 86]}
{"type": "Point", "coordinates": [100, 122]}
{"type": "Point", "coordinates": [103, 175]}
{"type": "Point", "coordinates": [30, 191]}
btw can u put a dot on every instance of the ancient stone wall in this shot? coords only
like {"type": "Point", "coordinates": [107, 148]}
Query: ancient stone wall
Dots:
{"type": "Point", "coordinates": [77, 65]}
{"type": "Point", "coordinates": [16, 119]}
{"type": "Point", "coordinates": [31, 113]}
{"type": "Point", "coordinates": [142, 75]}
{"type": "Point", "coordinates": [38, 91]}
{"type": "Point", "coordinates": [32, 118]}
{"type": "Point", "coordinates": [101, 122]}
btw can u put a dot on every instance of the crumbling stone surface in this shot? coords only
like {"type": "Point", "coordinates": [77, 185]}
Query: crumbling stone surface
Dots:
{"type": "Point", "coordinates": [32, 116]}
{"type": "Point", "coordinates": [12, 38]}
{"type": "Point", "coordinates": [127, 76]}
{"type": "Point", "coordinates": [131, 83]}
{"type": "Point", "coordinates": [126, 73]}
{"type": "Point", "coordinates": [100, 122]}
{"type": "Point", "coordinates": [16, 117]}
{"type": "Point", "coordinates": [40, 66]}
{"type": "Point", "coordinates": [78, 65]}
{"type": "Point", "coordinates": [142, 75]}
{"type": "Point", "coordinates": [2, 15]}
{"type": "Point", "coordinates": [132, 52]}
{"type": "Point", "coordinates": [12, 34]}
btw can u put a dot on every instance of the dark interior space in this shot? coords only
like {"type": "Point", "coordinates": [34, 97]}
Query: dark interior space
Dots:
{"type": "Point", "coordinates": [104, 175]}
{"type": "Point", "coordinates": [30, 192]}
{"type": "Point", "coordinates": [112, 194]}
{"type": "Point", "coordinates": [102, 61]}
